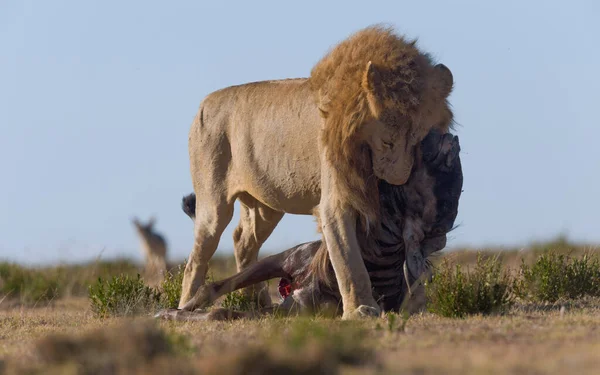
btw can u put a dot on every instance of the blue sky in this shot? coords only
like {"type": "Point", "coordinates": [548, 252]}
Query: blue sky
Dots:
{"type": "Point", "coordinates": [96, 100]}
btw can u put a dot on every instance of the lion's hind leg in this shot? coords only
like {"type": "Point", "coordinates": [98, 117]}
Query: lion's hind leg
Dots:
{"type": "Point", "coordinates": [257, 222]}
{"type": "Point", "coordinates": [213, 214]}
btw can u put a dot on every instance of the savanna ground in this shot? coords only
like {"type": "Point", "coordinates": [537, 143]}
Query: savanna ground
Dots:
{"type": "Point", "coordinates": [543, 317]}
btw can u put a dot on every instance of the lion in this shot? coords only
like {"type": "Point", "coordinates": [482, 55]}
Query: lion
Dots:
{"type": "Point", "coordinates": [414, 221]}
{"type": "Point", "coordinates": [314, 146]}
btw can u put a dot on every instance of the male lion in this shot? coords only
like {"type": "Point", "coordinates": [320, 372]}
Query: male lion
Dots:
{"type": "Point", "coordinates": [317, 146]}
{"type": "Point", "coordinates": [414, 220]}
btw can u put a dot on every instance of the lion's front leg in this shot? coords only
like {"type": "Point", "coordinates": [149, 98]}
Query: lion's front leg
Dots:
{"type": "Point", "coordinates": [339, 229]}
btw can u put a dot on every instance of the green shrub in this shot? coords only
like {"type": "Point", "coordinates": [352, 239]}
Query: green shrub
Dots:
{"type": "Point", "coordinates": [583, 276]}
{"type": "Point", "coordinates": [28, 285]}
{"type": "Point", "coordinates": [556, 276]}
{"type": "Point", "coordinates": [123, 295]}
{"type": "Point", "coordinates": [453, 292]}
{"type": "Point", "coordinates": [239, 301]}
{"type": "Point", "coordinates": [127, 295]}
{"type": "Point", "coordinates": [171, 288]}
{"type": "Point", "coordinates": [33, 285]}
{"type": "Point", "coordinates": [74, 280]}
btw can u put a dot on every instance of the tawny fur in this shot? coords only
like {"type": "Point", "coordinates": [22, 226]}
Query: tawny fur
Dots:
{"type": "Point", "coordinates": [406, 88]}
{"type": "Point", "coordinates": [414, 221]}
{"type": "Point", "coordinates": [313, 146]}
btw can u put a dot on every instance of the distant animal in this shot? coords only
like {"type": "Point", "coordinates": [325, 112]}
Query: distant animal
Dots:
{"type": "Point", "coordinates": [314, 146]}
{"type": "Point", "coordinates": [154, 248]}
{"type": "Point", "coordinates": [414, 221]}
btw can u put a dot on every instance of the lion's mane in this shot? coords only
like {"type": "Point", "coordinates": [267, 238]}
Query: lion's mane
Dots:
{"type": "Point", "coordinates": [337, 82]}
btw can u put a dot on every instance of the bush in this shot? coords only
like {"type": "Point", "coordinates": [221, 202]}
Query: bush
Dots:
{"type": "Point", "coordinates": [33, 285]}
{"type": "Point", "coordinates": [123, 295]}
{"type": "Point", "coordinates": [128, 295]}
{"type": "Point", "coordinates": [453, 292]}
{"type": "Point", "coordinates": [239, 301]}
{"type": "Point", "coordinates": [28, 285]}
{"type": "Point", "coordinates": [556, 276]}
{"type": "Point", "coordinates": [74, 280]}
{"type": "Point", "coordinates": [171, 288]}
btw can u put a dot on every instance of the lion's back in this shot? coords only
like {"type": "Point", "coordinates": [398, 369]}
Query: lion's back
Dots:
{"type": "Point", "coordinates": [268, 132]}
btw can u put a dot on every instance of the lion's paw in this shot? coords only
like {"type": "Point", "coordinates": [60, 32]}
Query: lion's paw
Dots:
{"type": "Point", "coordinates": [203, 298]}
{"type": "Point", "coordinates": [362, 312]}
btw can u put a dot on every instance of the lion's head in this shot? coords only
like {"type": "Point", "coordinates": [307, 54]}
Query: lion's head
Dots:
{"type": "Point", "coordinates": [379, 96]}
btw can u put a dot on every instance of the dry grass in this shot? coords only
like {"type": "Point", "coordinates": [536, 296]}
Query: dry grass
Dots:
{"type": "Point", "coordinates": [526, 340]}
{"type": "Point", "coordinates": [63, 336]}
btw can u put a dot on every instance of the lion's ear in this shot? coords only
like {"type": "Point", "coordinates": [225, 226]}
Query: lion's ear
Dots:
{"type": "Point", "coordinates": [443, 80]}
{"type": "Point", "coordinates": [371, 78]}
{"type": "Point", "coordinates": [371, 83]}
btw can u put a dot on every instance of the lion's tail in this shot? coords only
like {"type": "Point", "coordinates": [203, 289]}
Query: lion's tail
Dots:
{"type": "Point", "coordinates": [188, 205]}
{"type": "Point", "coordinates": [321, 268]}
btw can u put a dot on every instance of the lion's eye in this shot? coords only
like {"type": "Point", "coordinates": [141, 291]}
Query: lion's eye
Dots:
{"type": "Point", "coordinates": [389, 145]}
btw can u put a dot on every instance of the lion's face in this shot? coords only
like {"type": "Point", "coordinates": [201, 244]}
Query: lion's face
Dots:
{"type": "Point", "coordinates": [392, 135]}
{"type": "Point", "coordinates": [393, 149]}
